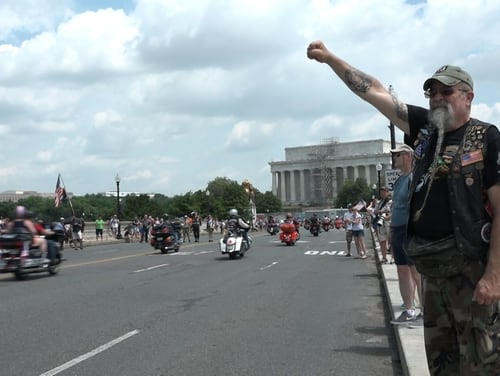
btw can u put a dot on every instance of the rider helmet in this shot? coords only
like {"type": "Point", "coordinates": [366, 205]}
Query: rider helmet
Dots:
{"type": "Point", "coordinates": [233, 212]}
{"type": "Point", "coordinates": [20, 211]}
{"type": "Point", "coordinates": [289, 215]}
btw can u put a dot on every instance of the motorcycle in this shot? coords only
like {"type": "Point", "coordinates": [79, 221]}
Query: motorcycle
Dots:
{"type": "Point", "coordinates": [163, 238]}
{"type": "Point", "coordinates": [273, 228]}
{"type": "Point", "coordinates": [19, 257]}
{"type": "Point", "coordinates": [233, 244]}
{"type": "Point", "coordinates": [307, 224]}
{"type": "Point", "coordinates": [326, 224]}
{"type": "Point", "coordinates": [338, 224]}
{"type": "Point", "coordinates": [314, 229]}
{"type": "Point", "coordinates": [289, 234]}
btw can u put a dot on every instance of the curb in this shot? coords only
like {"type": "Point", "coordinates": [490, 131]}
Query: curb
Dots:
{"type": "Point", "coordinates": [410, 340]}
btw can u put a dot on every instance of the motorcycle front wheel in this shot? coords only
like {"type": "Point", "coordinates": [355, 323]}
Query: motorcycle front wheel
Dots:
{"type": "Point", "coordinates": [20, 276]}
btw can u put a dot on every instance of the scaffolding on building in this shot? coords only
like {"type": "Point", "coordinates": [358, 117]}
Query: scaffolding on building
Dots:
{"type": "Point", "coordinates": [323, 175]}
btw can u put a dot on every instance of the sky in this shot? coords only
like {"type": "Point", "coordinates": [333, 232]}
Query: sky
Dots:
{"type": "Point", "coordinates": [171, 94]}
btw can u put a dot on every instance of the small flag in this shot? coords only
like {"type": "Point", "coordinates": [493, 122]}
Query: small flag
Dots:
{"type": "Point", "coordinates": [60, 193]}
{"type": "Point", "coordinates": [360, 205]}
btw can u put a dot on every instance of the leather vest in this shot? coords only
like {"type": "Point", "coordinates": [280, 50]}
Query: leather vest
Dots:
{"type": "Point", "coordinates": [467, 197]}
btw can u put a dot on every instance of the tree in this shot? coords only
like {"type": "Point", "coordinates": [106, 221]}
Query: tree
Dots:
{"type": "Point", "coordinates": [352, 192]}
{"type": "Point", "coordinates": [267, 202]}
{"type": "Point", "coordinates": [220, 195]}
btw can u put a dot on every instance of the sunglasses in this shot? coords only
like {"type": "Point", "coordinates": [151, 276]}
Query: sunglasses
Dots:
{"type": "Point", "coordinates": [444, 91]}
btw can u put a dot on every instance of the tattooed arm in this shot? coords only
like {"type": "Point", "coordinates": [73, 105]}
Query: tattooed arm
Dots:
{"type": "Point", "coordinates": [366, 87]}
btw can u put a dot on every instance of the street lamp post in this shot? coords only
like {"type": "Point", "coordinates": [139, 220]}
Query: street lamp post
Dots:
{"type": "Point", "coordinates": [379, 169]}
{"type": "Point", "coordinates": [249, 190]}
{"type": "Point", "coordinates": [391, 126]}
{"type": "Point", "coordinates": [207, 193]}
{"type": "Point", "coordinates": [118, 208]}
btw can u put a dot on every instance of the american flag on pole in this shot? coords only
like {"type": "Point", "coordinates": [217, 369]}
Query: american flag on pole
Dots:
{"type": "Point", "coordinates": [60, 193]}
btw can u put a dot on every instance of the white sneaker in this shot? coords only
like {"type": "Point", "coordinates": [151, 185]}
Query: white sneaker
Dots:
{"type": "Point", "coordinates": [404, 318]}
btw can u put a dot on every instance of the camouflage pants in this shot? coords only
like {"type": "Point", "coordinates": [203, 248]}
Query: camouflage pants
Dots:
{"type": "Point", "coordinates": [461, 336]}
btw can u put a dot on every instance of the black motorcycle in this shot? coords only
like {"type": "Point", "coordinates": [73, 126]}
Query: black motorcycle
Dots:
{"type": "Point", "coordinates": [19, 257]}
{"type": "Point", "coordinates": [163, 237]}
{"type": "Point", "coordinates": [314, 228]}
{"type": "Point", "coordinates": [273, 228]}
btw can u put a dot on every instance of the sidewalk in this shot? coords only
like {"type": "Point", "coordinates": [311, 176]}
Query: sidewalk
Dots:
{"type": "Point", "coordinates": [410, 340]}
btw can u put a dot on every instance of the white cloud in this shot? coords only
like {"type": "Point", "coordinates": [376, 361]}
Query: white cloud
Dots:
{"type": "Point", "coordinates": [172, 94]}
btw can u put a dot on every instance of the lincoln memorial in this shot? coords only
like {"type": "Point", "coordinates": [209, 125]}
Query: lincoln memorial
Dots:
{"type": "Point", "coordinates": [312, 175]}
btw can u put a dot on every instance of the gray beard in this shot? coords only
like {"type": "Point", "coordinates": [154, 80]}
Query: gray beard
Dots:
{"type": "Point", "coordinates": [441, 117]}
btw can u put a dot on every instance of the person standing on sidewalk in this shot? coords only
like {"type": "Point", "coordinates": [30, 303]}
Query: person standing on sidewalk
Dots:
{"type": "Point", "coordinates": [99, 228]}
{"type": "Point", "coordinates": [186, 228]}
{"type": "Point", "coordinates": [78, 226]}
{"type": "Point", "coordinates": [408, 276]}
{"type": "Point", "coordinates": [195, 225]}
{"type": "Point", "coordinates": [348, 229]}
{"type": "Point", "coordinates": [146, 223]}
{"type": "Point", "coordinates": [210, 228]}
{"type": "Point", "coordinates": [358, 232]}
{"type": "Point", "coordinates": [454, 213]}
{"type": "Point", "coordinates": [381, 212]}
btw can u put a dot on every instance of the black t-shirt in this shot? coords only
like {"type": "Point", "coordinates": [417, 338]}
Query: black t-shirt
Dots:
{"type": "Point", "coordinates": [435, 220]}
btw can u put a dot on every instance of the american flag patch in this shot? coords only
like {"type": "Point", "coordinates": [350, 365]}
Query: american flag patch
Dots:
{"type": "Point", "coordinates": [472, 157]}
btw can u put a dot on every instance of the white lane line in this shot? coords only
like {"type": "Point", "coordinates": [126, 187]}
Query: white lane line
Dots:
{"type": "Point", "coordinates": [150, 268]}
{"type": "Point", "coordinates": [203, 252]}
{"type": "Point", "coordinates": [90, 354]}
{"type": "Point", "coordinates": [268, 266]}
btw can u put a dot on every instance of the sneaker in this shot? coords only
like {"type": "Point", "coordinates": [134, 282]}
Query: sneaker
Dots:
{"type": "Point", "coordinates": [404, 318]}
{"type": "Point", "coordinates": [347, 255]}
{"type": "Point", "coordinates": [417, 323]}
{"type": "Point", "coordinates": [384, 261]}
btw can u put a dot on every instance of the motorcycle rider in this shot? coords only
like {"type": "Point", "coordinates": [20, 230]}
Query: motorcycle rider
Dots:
{"type": "Point", "coordinates": [22, 222]}
{"type": "Point", "coordinates": [314, 219]}
{"type": "Point", "coordinates": [43, 231]}
{"type": "Point", "coordinates": [235, 222]}
{"type": "Point", "coordinates": [290, 219]}
{"type": "Point", "coordinates": [314, 222]}
{"type": "Point", "coordinates": [175, 227]}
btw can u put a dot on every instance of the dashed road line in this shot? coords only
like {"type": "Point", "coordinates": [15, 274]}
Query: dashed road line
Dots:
{"type": "Point", "coordinates": [90, 354]}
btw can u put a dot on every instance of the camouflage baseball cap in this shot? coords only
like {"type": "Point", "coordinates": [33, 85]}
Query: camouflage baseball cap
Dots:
{"type": "Point", "coordinates": [450, 75]}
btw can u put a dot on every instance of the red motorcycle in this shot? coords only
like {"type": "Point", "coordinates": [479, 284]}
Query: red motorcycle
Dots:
{"type": "Point", "coordinates": [338, 224]}
{"type": "Point", "coordinates": [289, 234]}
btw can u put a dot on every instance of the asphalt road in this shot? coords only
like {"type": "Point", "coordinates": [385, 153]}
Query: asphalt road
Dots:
{"type": "Point", "coordinates": [127, 310]}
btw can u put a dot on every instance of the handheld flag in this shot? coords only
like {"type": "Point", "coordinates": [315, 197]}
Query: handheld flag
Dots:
{"type": "Point", "coordinates": [360, 205]}
{"type": "Point", "coordinates": [60, 193]}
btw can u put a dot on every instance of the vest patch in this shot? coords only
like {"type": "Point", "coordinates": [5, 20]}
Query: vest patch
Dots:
{"type": "Point", "coordinates": [472, 157]}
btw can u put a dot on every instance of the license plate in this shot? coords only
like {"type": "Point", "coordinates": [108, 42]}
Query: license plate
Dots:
{"type": "Point", "coordinates": [159, 239]}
